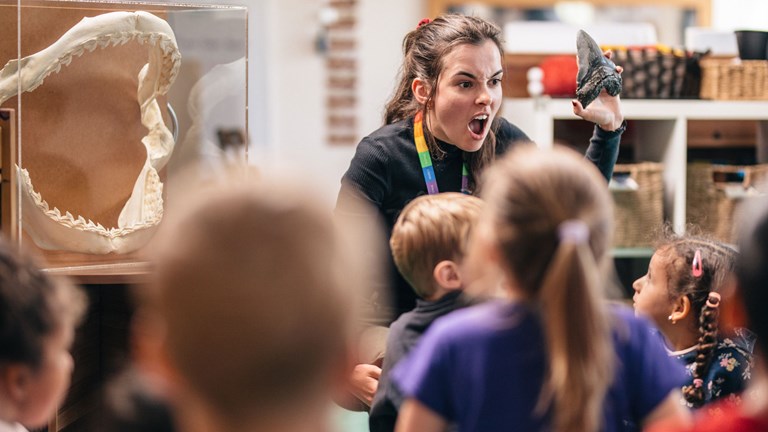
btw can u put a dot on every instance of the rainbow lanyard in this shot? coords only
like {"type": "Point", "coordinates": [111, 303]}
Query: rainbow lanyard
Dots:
{"type": "Point", "coordinates": [426, 159]}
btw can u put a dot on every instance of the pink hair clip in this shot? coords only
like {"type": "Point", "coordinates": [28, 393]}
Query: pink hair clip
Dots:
{"type": "Point", "coordinates": [698, 382]}
{"type": "Point", "coordinates": [697, 266]}
{"type": "Point", "coordinates": [713, 300]}
{"type": "Point", "coordinates": [424, 21]}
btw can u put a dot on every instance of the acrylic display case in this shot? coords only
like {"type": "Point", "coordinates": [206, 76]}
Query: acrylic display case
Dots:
{"type": "Point", "coordinates": [106, 107]}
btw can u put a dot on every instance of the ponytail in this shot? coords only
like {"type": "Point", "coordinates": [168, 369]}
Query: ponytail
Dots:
{"type": "Point", "coordinates": [577, 336]}
{"type": "Point", "coordinates": [708, 327]}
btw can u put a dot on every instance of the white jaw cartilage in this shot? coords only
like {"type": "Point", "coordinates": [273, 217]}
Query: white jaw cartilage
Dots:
{"type": "Point", "coordinates": [53, 229]}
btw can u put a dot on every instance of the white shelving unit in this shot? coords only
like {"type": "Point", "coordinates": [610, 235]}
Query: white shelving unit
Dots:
{"type": "Point", "coordinates": [661, 136]}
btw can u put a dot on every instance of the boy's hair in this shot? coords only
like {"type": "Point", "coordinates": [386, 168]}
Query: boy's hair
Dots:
{"type": "Point", "coordinates": [551, 217]}
{"type": "Point", "coordinates": [255, 292]}
{"type": "Point", "coordinates": [751, 268]}
{"type": "Point", "coordinates": [33, 306]}
{"type": "Point", "coordinates": [717, 267]}
{"type": "Point", "coordinates": [430, 229]}
{"type": "Point", "coordinates": [424, 51]}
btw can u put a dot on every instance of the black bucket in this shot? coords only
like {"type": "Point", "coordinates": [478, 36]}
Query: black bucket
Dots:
{"type": "Point", "coordinates": [753, 44]}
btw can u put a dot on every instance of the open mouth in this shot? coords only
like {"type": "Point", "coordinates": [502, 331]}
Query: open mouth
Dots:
{"type": "Point", "coordinates": [477, 126]}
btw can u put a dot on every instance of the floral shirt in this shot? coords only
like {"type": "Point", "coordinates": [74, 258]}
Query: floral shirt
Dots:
{"type": "Point", "coordinates": [730, 370]}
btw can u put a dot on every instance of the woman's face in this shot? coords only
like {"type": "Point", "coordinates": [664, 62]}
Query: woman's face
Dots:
{"type": "Point", "coordinates": [651, 297]}
{"type": "Point", "coordinates": [468, 95]}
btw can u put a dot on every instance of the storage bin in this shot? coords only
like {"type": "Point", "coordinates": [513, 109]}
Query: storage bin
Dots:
{"type": "Point", "coordinates": [638, 194]}
{"type": "Point", "coordinates": [734, 79]}
{"type": "Point", "coordinates": [658, 72]}
{"type": "Point", "coordinates": [714, 193]}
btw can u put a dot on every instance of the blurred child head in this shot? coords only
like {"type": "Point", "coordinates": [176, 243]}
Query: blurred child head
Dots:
{"type": "Point", "coordinates": [547, 223]}
{"type": "Point", "coordinates": [429, 241]}
{"type": "Point", "coordinates": [38, 316]}
{"type": "Point", "coordinates": [684, 284]}
{"type": "Point", "coordinates": [752, 271]}
{"type": "Point", "coordinates": [253, 294]}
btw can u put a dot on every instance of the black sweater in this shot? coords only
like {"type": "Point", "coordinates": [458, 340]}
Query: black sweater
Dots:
{"type": "Point", "coordinates": [386, 173]}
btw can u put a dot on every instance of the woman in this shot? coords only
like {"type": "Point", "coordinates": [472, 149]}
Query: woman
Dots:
{"type": "Point", "coordinates": [446, 105]}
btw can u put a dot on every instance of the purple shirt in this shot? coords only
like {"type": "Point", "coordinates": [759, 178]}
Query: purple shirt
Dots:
{"type": "Point", "coordinates": [481, 368]}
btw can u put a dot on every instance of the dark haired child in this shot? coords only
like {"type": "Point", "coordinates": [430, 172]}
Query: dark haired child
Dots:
{"type": "Point", "coordinates": [38, 316]}
{"type": "Point", "coordinates": [681, 293]}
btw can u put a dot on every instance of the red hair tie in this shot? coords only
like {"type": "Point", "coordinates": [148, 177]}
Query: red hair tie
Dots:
{"type": "Point", "coordinates": [424, 21]}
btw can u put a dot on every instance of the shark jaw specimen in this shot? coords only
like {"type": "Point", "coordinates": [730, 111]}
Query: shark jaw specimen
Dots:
{"type": "Point", "coordinates": [52, 229]}
{"type": "Point", "coordinates": [595, 71]}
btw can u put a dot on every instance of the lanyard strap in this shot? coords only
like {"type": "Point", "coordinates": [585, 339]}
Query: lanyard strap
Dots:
{"type": "Point", "coordinates": [425, 158]}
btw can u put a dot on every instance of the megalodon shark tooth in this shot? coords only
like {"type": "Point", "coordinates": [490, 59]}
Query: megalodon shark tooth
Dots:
{"type": "Point", "coordinates": [596, 72]}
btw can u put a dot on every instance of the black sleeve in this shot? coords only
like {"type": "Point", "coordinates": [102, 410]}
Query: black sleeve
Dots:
{"type": "Point", "coordinates": [604, 149]}
{"type": "Point", "coordinates": [367, 175]}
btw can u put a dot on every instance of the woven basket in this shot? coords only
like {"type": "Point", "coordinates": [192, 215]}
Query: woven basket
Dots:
{"type": "Point", "coordinates": [734, 79]}
{"type": "Point", "coordinates": [712, 200]}
{"type": "Point", "coordinates": [639, 210]}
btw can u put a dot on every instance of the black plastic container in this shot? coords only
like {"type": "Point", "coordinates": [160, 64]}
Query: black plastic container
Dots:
{"type": "Point", "coordinates": [753, 44]}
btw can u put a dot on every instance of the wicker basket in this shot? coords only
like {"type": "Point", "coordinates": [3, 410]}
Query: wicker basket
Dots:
{"type": "Point", "coordinates": [734, 79]}
{"type": "Point", "coordinates": [715, 191]}
{"type": "Point", "coordinates": [640, 208]}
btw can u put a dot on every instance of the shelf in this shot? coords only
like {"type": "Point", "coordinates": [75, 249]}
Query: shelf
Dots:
{"type": "Point", "coordinates": [651, 109]}
{"type": "Point", "coordinates": [660, 134]}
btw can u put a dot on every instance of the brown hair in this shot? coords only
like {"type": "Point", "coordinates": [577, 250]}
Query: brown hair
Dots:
{"type": "Point", "coordinates": [718, 263]}
{"type": "Point", "coordinates": [531, 196]}
{"type": "Point", "coordinates": [33, 305]}
{"type": "Point", "coordinates": [255, 289]}
{"type": "Point", "coordinates": [430, 229]}
{"type": "Point", "coordinates": [424, 50]}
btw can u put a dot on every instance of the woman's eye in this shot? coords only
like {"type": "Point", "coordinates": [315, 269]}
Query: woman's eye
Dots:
{"type": "Point", "coordinates": [465, 84]}
{"type": "Point", "coordinates": [495, 81]}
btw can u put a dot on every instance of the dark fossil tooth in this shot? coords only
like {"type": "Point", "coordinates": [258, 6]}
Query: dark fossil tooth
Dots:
{"type": "Point", "coordinates": [595, 71]}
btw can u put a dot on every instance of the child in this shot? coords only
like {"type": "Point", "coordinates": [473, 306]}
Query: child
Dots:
{"type": "Point", "coordinates": [38, 316]}
{"type": "Point", "coordinates": [441, 127]}
{"type": "Point", "coordinates": [428, 243]}
{"type": "Point", "coordinates": [751, 413]}
{"type": "Point", "coordinates": [681, 294]}
{"type": "Point", "coordinates": [251, 300]}
{"type": "Point", "coordinates": [553, 355]}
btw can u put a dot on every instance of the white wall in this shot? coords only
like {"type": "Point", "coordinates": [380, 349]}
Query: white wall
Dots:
{"type": "Point", "coordinates": [740, 14]}
{"type": "Point", "coordinates": [296, 84]}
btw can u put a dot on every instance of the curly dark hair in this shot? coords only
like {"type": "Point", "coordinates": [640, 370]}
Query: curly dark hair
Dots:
{"type": "Point", "coordinates": [718, 262]}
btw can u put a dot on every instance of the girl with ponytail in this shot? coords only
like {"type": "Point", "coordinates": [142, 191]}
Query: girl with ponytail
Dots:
{"type": "Point", "coordinates": [552, 355]}
{"type": "Point", "coordinates": [681, 293]}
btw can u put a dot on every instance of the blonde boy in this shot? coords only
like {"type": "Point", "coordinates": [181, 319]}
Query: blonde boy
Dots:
{"type": "Point", "coordinates": [252, 296]}
{"type": "Point", "coordinates": [428, 244]}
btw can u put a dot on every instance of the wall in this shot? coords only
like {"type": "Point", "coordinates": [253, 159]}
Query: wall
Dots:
{"type": "Point", "coordinates": [739, 14]}
{"type": "Point", "coordinates": [296, 80]}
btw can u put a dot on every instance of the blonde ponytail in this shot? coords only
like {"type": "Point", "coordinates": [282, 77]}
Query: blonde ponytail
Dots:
{"type": "Point", "coordinates": [577, 339]}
